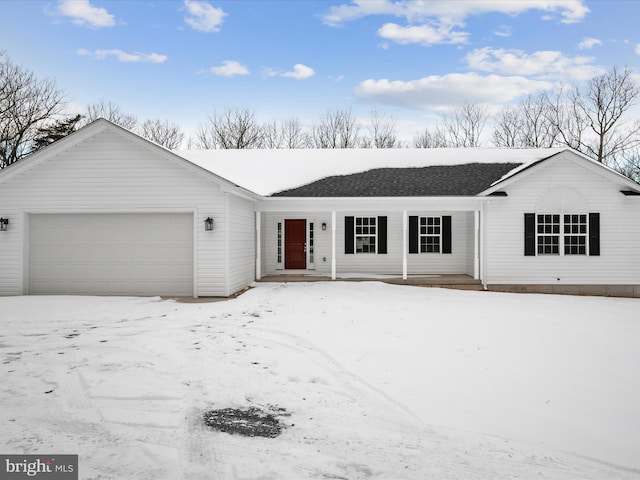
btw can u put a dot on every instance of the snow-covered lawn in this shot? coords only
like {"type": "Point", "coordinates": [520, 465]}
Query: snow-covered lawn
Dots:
{"type": "Point", "coordinates": [381, 381]}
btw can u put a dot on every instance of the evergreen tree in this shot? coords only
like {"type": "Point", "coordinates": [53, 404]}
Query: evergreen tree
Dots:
{"type": "Point", "coordinates": [55, 131]}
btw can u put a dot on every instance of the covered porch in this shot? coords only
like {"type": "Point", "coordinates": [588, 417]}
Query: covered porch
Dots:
{"type": "Point", "coordinates": [404, 252]}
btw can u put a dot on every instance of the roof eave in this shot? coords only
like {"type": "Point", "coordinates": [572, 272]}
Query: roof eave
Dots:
{"type": "Point", "coordinates": [446, 203]}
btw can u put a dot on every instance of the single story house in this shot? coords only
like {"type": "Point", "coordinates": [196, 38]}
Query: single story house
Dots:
{"type": "Point", "coordinates": [104, 211]}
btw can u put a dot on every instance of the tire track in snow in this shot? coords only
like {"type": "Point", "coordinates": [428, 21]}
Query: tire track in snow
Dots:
{"type": "Point", "coordinates": [198, 456]}
{"type": "Point", "coordinates": [357, 384]}
{"type": "Point", "coordinates": [76, 398]}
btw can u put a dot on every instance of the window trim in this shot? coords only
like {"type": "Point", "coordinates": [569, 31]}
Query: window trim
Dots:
{"type": "Point", "coordinates": [562, 235]}
{"type": "Point", "coordinates": [552, 235]}
{"type": "Point", "coordinates": [427, 235]}
{"type": "Point", "coordinates": [368, 235]}
{"type": "Point", "coordinates": [565, 235]}
{"type": "Point", "coordinates": [279, 244]}
{"type": "Point", "coordinates": [446, 233]}
{"type": "Point", "coordinates": [381, 234]}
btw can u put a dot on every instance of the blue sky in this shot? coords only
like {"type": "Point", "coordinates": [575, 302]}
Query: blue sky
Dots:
{"type": "Point", "coordinates": [179, 60]}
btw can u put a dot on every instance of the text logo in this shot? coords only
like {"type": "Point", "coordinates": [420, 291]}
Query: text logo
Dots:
{"type": "Point", "coordinates": [49, 467]}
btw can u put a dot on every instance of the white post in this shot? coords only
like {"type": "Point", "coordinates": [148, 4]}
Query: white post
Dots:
{"type": "Point", "coordinates": [258, 246]}
{"type": "Point", "coordinates": [476, 244]}
{"type": "Point", "coordinates": [404, 245]}
{"type": "Point", "coordinates": [483, 257]}
{"type": "Point", "coordinates": [333, 245]}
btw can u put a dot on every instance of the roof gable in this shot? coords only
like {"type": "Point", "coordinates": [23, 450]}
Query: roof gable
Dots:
{"type": "Point", "coordinates": [437, 180]}
{"type": "Point", "coordinates": [93, 130]}
{"type": "Point", "coordinates": [565, 155]}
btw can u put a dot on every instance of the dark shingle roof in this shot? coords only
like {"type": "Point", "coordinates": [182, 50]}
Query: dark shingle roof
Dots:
{"type": "Point", "coordinates": [443, 180]}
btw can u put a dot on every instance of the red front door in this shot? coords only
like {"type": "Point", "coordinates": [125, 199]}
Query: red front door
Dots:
{"type": "Point", "coordinates": [295, 244]}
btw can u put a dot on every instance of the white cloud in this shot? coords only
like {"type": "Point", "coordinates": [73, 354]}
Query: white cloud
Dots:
{"type": "Point", "coordinates": [503, 31]}
{"type": "Point", "coordinates": [83, 13]}
{"type": "Point", "coordinates": [422, 34]}
{"type": "Point", "coordinates": [442, 91]}
{"type": "Point", "coordinates": [571, 11]}
{"type": "Point", "coordinates": [230, 68]}
{"type": "Point", "coordinates": [203, 16]}
{"type": "Point", "coordinates": [300, 72]}
{"type": "Point", "coordinates": [588, 43]}
{"type": "Point", "coordinates": [548, 64]}
{"type": "Point", "coordinates": [339, 14]}
{"type": "Point", "coordinates": [637, 49]}
{"type": "Point", "coordinates": [124, 56]}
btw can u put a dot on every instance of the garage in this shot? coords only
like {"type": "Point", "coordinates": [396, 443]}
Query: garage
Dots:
{"type": "Point", "coordinates": [111, 254]}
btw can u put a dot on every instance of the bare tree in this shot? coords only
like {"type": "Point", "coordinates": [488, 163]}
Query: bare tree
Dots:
{"type": "Point", "coordinates": [526, 124]}
{"type": "Point", "coordinates": [169, 135]}
{"type": "Point", "coordinates": [285, 134]}
{"type": "Point", "coordinates": [111, 112]}
{"type": "Point", "coordinates": [537, 130]}
{"type": "Point", "coordinates": [593, 119]}
{"type": "Point", "coordinates": [464, 125]}
{"type": "Point", "coordinates": [430, 139]}
{"type": "Point", "coordinates": [272, 135]}
{"type": "Point", "coordinates": [26, 104]}
{"type": "Point", "coordinates": [233, 128]}
{"type": "Point", "coordinates": [337, 129]}
{"type": "Point", "coordinates": [292, 134]}
{"type": "Point", "coordinates": [630, 164]}
{"type": "Point", "coordinates": [508, 127]}
{"type": "Point", "coordinates": [566, 118]}
{"type": "Point", "coordinates": [382, 132]}
{"type": "Point", "coordinates": [603, 103]}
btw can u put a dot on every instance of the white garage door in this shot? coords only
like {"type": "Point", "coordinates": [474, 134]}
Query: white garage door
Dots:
{"type": "Point", "coordinates": [111, 254]}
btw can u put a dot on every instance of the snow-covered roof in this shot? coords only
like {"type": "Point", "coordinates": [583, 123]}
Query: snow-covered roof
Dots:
{"type": "Point", "coordinates": [268, 171]}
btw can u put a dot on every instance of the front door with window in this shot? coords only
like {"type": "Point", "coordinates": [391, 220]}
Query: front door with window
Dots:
{"type": "Point", "coordinates": [295, 244]}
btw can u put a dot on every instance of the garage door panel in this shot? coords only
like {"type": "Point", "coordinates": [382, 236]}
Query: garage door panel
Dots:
{"type": "Point", "coordinates": [111, 254]}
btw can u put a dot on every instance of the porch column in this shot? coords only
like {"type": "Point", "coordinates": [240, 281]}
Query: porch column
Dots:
{"type": "Point", "coordinates": [404, 244]}
{"type": "Point", "coordinates": [476, 244]}
{"type": "Point", "coordinates": [482, 251]}
{"type": "Point", "coordinates": [333, 245]}
{"type": "Point", "coordinates": [258, 246]}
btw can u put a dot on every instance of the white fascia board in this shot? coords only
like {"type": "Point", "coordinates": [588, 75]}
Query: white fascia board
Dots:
{"type": "Point", "coordinates": [240, 192]}
{"type": "Point", "coordinates": [373, 204]}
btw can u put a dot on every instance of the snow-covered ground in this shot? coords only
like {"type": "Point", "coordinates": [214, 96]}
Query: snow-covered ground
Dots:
{"type": "Point", "coordinates": [381, 381]}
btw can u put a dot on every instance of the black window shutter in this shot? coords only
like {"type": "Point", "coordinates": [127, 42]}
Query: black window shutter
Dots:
{"type": "Point", "coordinates": [413, 234]}
{"type": "Point", "coordinates": [529, 234]}
{"type": "Point", "coordinates": [349, 235]}
{"type": "Point", "coordinates": [594, 234]}
{"type": "Point", "coordinates": [382, 234]}
{"type": "Point", "coordinates": [446, 234]}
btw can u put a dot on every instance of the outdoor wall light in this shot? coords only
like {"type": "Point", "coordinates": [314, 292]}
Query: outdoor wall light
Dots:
{"type": "Point", "coordinates": [208, 224]}
{"type": "Point", "coordinates": [4, 224]}
{"type": "Point", "coordinates": [324, 226]}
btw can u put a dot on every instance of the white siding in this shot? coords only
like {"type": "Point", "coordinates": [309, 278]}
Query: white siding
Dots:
{"type": "Point", "coordinates": [242, 244]}
{"type": "Point", "coordinates": [112, 171]}
{"type": "Point", "coordinates": [454, 263]}
{"type": "Point", "coordinates": [563, 184]}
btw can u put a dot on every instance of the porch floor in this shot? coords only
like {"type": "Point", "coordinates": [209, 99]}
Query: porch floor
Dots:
{"type": "Point", "coordinates": [465, 282]}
